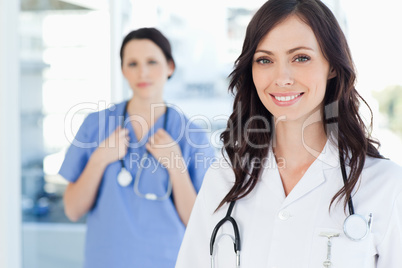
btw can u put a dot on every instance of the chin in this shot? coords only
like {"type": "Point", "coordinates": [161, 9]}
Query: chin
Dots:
{"type": "Point", "coordinates": [286, 116]}
{"type": "Point", "coordinates": [150, 97]}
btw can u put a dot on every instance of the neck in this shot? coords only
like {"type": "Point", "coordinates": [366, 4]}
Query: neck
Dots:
{"type": "Point", "coordinates": [150, 110]}
{"type": "Point", "coordinates": [299, 143]}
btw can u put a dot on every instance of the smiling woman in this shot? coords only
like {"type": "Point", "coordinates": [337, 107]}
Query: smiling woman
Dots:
{"type": "Point", "coordinates": [291, 81]}
{"type": "Point", "coordinates": [295, 82]}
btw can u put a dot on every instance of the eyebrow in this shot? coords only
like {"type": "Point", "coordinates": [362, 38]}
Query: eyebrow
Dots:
{"type": "Point", "coordinates": [290, 51]}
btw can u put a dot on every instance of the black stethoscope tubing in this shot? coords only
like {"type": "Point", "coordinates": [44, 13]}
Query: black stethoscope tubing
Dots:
{"type": "Point", "coordinates": [229, 218]}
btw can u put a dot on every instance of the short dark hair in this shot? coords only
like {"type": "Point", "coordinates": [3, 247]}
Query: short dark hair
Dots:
{"type": "Point", "coordinates": [151, 34]}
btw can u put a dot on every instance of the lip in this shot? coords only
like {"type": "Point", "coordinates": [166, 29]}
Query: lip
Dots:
{"type": "Point", "coordinates": [286, 94]}
{"type": "Point", "coordinates": [143, 84]}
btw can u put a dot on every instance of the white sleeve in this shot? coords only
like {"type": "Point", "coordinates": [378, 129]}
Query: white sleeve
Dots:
{"type": "Point", "coordinates": [390, 248]}
{"type": "Point", "coordinates": [194, 251]}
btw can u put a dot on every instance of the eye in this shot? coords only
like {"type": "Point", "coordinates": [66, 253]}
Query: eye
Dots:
{"type": "Point", "coordinates": [132, 64]}
{"type": "Point", "coordinates": [263, 61]}
{"type": "Point", "coordinates": [302, 58]}
{"type": "Point", "coordinates": [152, 62]}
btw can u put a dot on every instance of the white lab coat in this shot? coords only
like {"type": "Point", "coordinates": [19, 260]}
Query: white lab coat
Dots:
{"type": "Point", "coordinates": [283, 232]}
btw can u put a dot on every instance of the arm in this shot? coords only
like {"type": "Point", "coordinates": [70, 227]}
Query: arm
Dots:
{"type": "Point", "coordinates": [168, 153]}
{"type": "Point", "coordinates": [80, 196]}
{"type": "Point", "coordinates": [194, 250]}
{"type": "Point", "coordinates": [184, 194]}
{"type": "Point", "coordinates": [390, 248]}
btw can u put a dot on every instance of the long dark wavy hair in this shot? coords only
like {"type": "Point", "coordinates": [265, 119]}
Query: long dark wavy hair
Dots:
{"type": "Point", "coordinates": [341, 101]}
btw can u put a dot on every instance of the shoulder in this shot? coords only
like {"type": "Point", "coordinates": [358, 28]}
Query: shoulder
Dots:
{"type": "Point", "coordinates": [381, 194]}
{"type": "Point", "coordinates": [221, 172]}
{"type": "Point", "coordinates": [188, 131]}
{"type": "Point", "coordinates": [218, 181]}
{"type": "Point", "coordinates": [98, 124]}
{"type": "Point", "coordinates": [384, 169]}
{"type": "Point", "coordinates": [194, 122]}
{"type": "Point", "coordinates": [383, 177]}
{"type": "Point", "coordinates": [102, 117]}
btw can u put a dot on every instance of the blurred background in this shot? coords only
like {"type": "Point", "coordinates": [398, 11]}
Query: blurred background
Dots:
{"type": "Point", "coordinates": [68, 65]}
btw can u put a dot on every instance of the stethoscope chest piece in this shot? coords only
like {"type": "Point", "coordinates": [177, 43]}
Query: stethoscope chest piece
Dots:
{"type": "Point", "coordinates": [124, 178]}
{"type": "Point", "coordinates": [356, 227]}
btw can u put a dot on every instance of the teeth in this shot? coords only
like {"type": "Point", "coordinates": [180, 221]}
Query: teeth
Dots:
{"type": "Point", "coordinates": [287, 98]}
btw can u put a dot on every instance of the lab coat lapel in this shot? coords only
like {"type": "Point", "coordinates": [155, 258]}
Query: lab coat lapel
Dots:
{"type": "Point", "coordinates": [271, 178]}
{"type": "Point", "coordinates": [314, 175]}
{"type": "Point", "coordinates": [313, 178]}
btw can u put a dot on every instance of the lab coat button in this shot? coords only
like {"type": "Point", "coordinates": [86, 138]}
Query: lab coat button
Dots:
{"type": "Point", "coordinates": [284, 215]}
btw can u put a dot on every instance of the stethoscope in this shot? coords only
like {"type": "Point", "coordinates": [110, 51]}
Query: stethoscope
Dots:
{"type": "Point", "coordinates": [355, 226]}
{"type": "Point", "coordinates": [124, 178]}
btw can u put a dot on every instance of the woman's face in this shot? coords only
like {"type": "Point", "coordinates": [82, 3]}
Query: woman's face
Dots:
{"type": "Point", "coordinates": [146, 69]}
{"type": "Point", "coordinates": [290, 72]}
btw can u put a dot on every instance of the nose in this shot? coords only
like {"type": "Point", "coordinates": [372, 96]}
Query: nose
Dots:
{"type": "Point", "coordinates": [143, 70]}
{"type": "Point", "coordinates": [284, 76]}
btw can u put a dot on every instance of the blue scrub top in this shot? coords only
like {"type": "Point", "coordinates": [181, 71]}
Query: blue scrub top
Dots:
{"type": "Point", "coordinates": [123, 229]}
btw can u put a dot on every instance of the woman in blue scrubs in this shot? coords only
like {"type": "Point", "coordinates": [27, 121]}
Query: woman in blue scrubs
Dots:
{"type": "Point", "coordinates": [126, 229]}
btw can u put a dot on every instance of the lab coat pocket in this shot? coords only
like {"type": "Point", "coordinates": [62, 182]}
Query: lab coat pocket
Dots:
{"type": "Point", "coordinates": [332, 247]}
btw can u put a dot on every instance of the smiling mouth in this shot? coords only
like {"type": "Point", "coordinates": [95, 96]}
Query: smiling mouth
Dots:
{"type": "Point", "coordinates": [286, 98]}
{"type": "Point", "coordinates": [143, 84]}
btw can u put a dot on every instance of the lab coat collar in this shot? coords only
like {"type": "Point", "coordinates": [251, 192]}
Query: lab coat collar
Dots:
{"type": "Point", "coordinates": [329, 157]}
{"type": "Point", "coordinates": [314, 176]}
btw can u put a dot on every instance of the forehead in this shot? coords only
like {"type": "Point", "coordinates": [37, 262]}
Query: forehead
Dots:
{"type": "Point", "coordinates": [142, 48]}
{"type": "Point", "coordinates": [290, 33]}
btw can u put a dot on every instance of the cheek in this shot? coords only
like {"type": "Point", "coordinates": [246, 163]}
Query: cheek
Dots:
{"type": "Point", "coordinates": [261, 80]}
{"type": "Point", "coordinates": [314, 79]}
{"type": "Point", "coordinates": [262, 83]}
{"type": "Point", "coordinates": [160, 72]}
{"type": "Point", "coordinates": [320, 79]}
{"type": "Point", "coordinates": [130, 77]}
{"type": "Point", "coordinates": [319, 84]}
{"type": "Point", "coordinates": [129, 72]}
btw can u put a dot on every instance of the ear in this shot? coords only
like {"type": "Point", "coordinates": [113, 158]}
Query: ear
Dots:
{"type": "Point", "coordinates": [171, 68]}
{"type": "Point", "coordinates": [332, 73]}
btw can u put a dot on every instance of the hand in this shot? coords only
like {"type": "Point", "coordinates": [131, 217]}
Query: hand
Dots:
{"type": "Point", "coordinates": [114, 147]}
{"type": "Point", "coordinates": [165, 150]}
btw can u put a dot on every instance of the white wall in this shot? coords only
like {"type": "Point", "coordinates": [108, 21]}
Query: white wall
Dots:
{"type": "Point", "coordinates": [50, 245]}
{"type": "Point", "coordinates": [10, 209]}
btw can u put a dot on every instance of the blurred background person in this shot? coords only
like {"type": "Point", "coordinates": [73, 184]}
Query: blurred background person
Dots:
{"type": "Point", "coordinates": [139, 185]}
